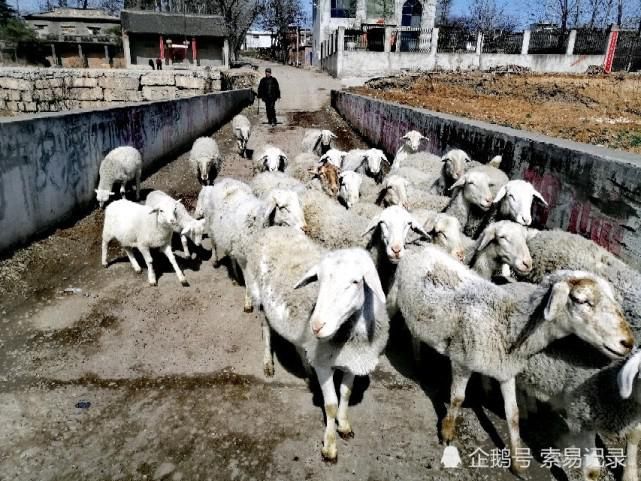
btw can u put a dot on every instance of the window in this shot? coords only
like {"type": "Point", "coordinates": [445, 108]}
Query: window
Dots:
{"type": "Point", "coordinates": [343, 8]}
{"type": "Point", "coordinates": [380, 9]}
{"type": "Point", "coordinates": [41, 27]}
{"type": "Point", "coordinates": [256, 36]}
{"type": "Point", "coordinates": [68, 29]}
{"type": "Point", "coordinates": [94, 30]}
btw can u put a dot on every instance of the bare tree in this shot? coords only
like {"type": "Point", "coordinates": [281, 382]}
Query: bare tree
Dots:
{"type": "Point", "coordinates": [277, 16]}
{"type": "Point", "coordinates": [487, 16]}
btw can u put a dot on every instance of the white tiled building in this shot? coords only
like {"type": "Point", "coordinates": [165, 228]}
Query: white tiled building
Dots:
{"type": "Point", "coordinates": [329, 15]}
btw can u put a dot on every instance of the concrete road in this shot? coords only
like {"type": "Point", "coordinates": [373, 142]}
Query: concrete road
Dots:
{"type": "Point", "coordinates": [105, 378]}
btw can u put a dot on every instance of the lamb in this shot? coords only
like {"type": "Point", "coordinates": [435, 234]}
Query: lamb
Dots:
{"type": "Point", "coordinates": [555, 249]}
{"type": "Point", "coordinates": [349, 190]}
{"type": "Point", "coordinates": [348, 326]}
{"type": "Point", "coordinates": [186, 225]}
{"type": "Point", "coordinates": [140, 226]}
{"type": "Point", "coordinates": [484, 328]}
{"type": "Point", "coordinates": [333, 156]}
{"type": "Point", "coordinates": [318, 141]}
{"type": "Point", "coordinates": [263, 183]}
{"type": "Point", "coordinates": [410, 145]}
{"type": "Point", "coordinates": [271, 159]}
{"type": "Point", "coordinates": [497, 178]}
{"type": "Point", "coordinates": [369, 162]}
{"type": "Point", "coordinates": [120, 165]}
{"type": "Point", "coordinates": [205, 160]}
{"type": "Point", "coordinates": [242, 130]}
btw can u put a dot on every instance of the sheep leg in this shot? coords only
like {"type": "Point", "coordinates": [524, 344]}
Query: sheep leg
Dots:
{"type": "Point", "coordinates": [151, 275]}
{"type": "Point", "coordinates": [416, 349]}
{"type": "Point", "coordinates": [344, 428]}
{"type": "Point", "coordinates": [183, 240]}
{"type": "Point", "coordinates": [630, 471]}
{"type": "Point", "coordinates": [305, 362]}
{"type": "Point", "coordinates": [170, 255]}
{"type": "Point", "coordinates": [460, 377]}
{"type": "Point", "coordinates": [590, 464]}
{"type": "Point", "coordinates": [508, 390]}
{"type": "Point", "coordinates": [132, 259]}
{"type": "Point", "coordinates": [138, 175]}
{"type": "Point", "coordinates": [326, 381]}
{"type": "Point", "coordinates": [214, 254]}
{"type": "Point", "coordinates": [105, 248]}
{"type": "Point", "coordinates": [268, 358]}
{"type": "Point", "coordinates": [249, 305]}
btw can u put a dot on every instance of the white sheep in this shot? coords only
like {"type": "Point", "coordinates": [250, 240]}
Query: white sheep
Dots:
{"type": "Point", "coordinates": [497, 178]}
{"type": "Point", "coordinates": [242, 128]}
{"type": "Point", "coordinates": [271, 159]}
{"type": "Point", "coordinates": [454, 164]}
{"type": "Point", "coordinates": [484, 328]}
{"type": "Point", "coordinates": [120, 165]}
{"type": "Point", "coordinates": [186, 225]}
{"type": "Point", "coordinates": [411, 142]}
{"type": "Point", "coordinates": [471, 200]}
{"type": "Point", "coordinates": [368, 162]}
{"type": "Point", "coordinates": [343, 293]}
{"type": "Point", "coordinates": [238, 215]}
{"type": "Point", "coordinates": [318, 141]}
{"type": "Point", "coordinates": [515, 199]}
{"type": "Point", "coordinates": [333, 156]}
{"type": "Point", "coordinates": [446, 232]}
{"type": "Point", "coordinates": [140, 226]}
{"type": "Point", "coordinates": [205, 160]}
{"type": "Point", "coordinates": [349, 187]}
{"type": "Point", "coordinates": [555, 249]}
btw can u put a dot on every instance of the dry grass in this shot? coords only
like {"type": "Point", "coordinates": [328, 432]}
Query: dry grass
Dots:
{"type": "Point", "coordinates": [601, 110]}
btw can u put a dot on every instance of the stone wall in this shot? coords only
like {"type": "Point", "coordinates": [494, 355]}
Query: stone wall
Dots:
{"type": "Point", "coordinates": [49, 162]}
{"type": "Point", "coordinates": [592, 191]}
{"type": "Point", "coordinates": [56, 90]}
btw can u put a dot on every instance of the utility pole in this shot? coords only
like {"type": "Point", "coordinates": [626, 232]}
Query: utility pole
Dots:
{"type": "Point", "coordinates": [18, 7]}
{"type": "Point", "coordinates": [297, 44]}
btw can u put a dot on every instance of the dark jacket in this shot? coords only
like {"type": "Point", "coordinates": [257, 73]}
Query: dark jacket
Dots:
{"type": "Point", "coordinates": [268, 89]}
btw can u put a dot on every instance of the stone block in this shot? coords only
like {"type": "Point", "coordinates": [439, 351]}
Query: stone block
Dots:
{"type": "Point", "coordinates": [13, 95]}
{"type": "Point", "coordinates": [119, 83]}
{"type": "Point", "coordinates": [158, 93]}
{"type": "Point", "coordinates": [185, 82]}
{"type": "Point", "coordinates": [119, 95]}
{"type": "Point", "coordinates": [83, 82]}
{"type": "Point", "coordinates": [30, 107]}
{"type": "Point", "coordinates": [184, 93]}
{"type": "Point", "coordinates": [158, 78]}
{"type": "Point", "coordinates": [216, 86]}
{"type": "Point", "coordinates": [27, 96]}
{"type": "Point", "coordinates": [92, 93]}
{"type": "Point", "coordinates": [12, 106]}
{"type": "Point", "coordinates": [49, 83]}
{"type": "Point", "coordinates": [16, 84]}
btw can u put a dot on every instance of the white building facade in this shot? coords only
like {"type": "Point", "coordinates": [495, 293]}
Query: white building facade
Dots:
{"type": "Point", "coordinates": [329, 15]}
{"type": "Point", "coordinates": [255, 39]}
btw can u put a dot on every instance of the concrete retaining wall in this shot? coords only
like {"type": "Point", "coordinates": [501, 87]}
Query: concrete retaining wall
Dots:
{"type": "Point", "coordinates": [592, 191]}
{"type": "Point", "coordinates": [49, 163]}
{"type": "Point", "coordinates": [56, 90]}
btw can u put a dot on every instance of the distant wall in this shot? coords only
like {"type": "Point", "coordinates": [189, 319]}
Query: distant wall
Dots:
{"type": "Point", "coordinates": [57, 89]}
{"type": "Point", "coordinates": [592, 191]}
{"type": "Point", "coordinates": [49, 163]}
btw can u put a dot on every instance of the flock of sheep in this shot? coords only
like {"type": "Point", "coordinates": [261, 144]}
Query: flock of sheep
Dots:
{"type": "Point", "coordinates": [333, 245]}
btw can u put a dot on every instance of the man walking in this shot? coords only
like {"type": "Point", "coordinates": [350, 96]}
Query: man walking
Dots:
{"type": "Point", "coordinates": [269, 92]}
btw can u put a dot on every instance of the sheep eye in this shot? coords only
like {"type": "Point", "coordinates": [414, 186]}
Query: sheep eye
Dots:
{"type": "Point", "coordinates": [470, 182]}
{"type": "Point", "coordinates": [442, 234]}
{"type": "Point", "coordinates": [355, 282]}
{"type": "Point", "coordinates": [510, 196]}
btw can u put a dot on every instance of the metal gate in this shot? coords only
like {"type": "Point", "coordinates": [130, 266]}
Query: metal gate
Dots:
{"type": "Point", "coordinates": [627, 56]}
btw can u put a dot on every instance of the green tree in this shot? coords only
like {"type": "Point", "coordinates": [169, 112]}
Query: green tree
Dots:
{"type": "Point", "coordinates": [12, 28]}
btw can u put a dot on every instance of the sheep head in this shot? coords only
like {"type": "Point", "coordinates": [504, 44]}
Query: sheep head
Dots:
{"type": "Point", "coordinates": [413, 139]}
{"type": "Point", "coordinates": [394, 192]}
{"type": "Point", "coordinates": [515, 201]}
{"type": "Point", "coordinates": [345, 278]}
{"type": "Point", "coordinates": [328, 174]}
{"type": "Point", "coordinates": [475, 188]}
{"type": "Point", "coordinates": [102, 196]}
{"type": "Point", "coordinates": [508, 241]}
{"type": "Point", "coordinates": [350, 186]}
{"type": "Point", "coordinates": [446, 233]}
{"type": "Point", "coordinates": [454, 163]}
{"type": "Point", "coordinates": [283, 208]}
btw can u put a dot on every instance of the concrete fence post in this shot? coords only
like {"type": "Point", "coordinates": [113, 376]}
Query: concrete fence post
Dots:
{"type": "Point", "coordinates": [340, 53]}
{"type": "Point", "coordinates": [571, 41]}
{"type": "Point", "coordinates": [479, 43]}
{"type": "Point", "coordinates": [434, 45]}
{"type": "Point", "coordinates": [387, 47]}
{"type": "Point", "coordinates": [525, 47]}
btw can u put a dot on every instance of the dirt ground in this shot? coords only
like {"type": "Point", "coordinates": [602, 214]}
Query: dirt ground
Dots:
{"type": "Point", "coordinates": [601, 110]}
{"type": "Point", "coordinates": [103, 377]}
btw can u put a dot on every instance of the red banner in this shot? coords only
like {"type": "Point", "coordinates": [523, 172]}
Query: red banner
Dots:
{"type": "Point", "coordinates": [609, 57]}
{"type": "Point", "coordinates": [162, 49]}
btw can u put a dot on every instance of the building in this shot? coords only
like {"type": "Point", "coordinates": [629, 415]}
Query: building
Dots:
{"type": "Point", "coordinates": [329, 15]}
{"type": "Point", "coordinates": [179, 41]}
{"type": "Point", "coordinates": [257, 39]}
{"type": "Point", "coordinates": [79, 37]}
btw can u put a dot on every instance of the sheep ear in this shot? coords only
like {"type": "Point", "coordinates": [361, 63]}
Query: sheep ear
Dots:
{"type": "Point", "coordinates": [416, 227]}
{"type": "Point", "coordinates": [404, 137]}
{"type": "Point", "coordinates": [487, 236]}
{"type": "Point", "coordinates": [371, 226]}
{"type": "Point", "coordinates": [264, 159]}
{"type": "Point", "coordinates": [458, 184]}
{"type": "Point", "coordinates": [309, 277]}
{"type": "Point", "coordinates": [496, 161]}
{"type": "Point", "coordinates": [374, 283]}
{"type": "Point", "coordinates": [627, 374]}
{"type": "Point", "coordinates": [282, 162]}
{"type": "Point", "coordinates": [500, 194]}
{"type": "Point", "coordinates": [430, 223]}
{"type": "Point", "coordinates": [332, 135]}
{"type": "Point", "coordinates": [538, 195]}
{"type": "Point", "coordinates": [558, 298]}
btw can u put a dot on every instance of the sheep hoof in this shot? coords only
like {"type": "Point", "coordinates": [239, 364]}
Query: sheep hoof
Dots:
{"type": "Point", "coordinates": [184, 282]}
{"type": "Point", "coordinates": [268, 369]}
{"type": "Point", "coordinates": [347, 434]}
{"type": "Point", "coordinates": [137, 271]}
{"type": "Point", "coordinates": [216, 264]}
{"type": "Point", "coordinates": [248, 309]}
{"type": "Point", "coordinates": [330, 455]}
{"type": "Point", "coordinates": [153, 283]}
{"type": "Point", "coordinates": [519, 467]}
{"type": "Point", "coordinates": [448, 430]}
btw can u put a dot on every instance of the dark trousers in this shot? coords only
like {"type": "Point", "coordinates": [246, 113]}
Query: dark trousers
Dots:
{"type": "Point", "coordinates": [270, 106]}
